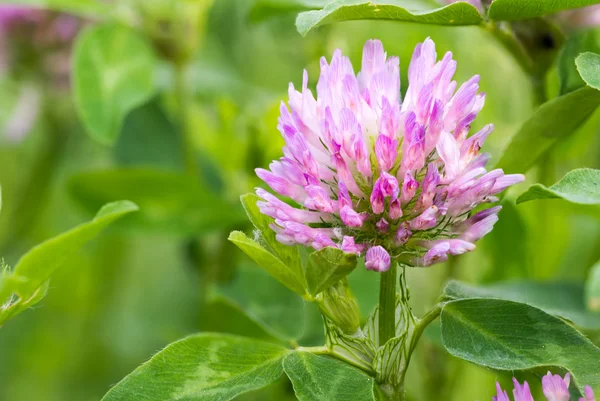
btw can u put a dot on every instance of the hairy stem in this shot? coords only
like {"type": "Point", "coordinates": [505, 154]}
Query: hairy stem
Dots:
{"type": "Point", "coordinates": [387, 304]}
{"type": "Point", "coordinates": [324, 350]}
{"type": "Point", "coordinates": [422, 325]}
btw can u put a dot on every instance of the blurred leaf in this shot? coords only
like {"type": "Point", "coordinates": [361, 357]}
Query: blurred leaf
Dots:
{"type": "Point", "coordinates": [264, 300]}
{"type": "Point", "coordinates": [289, 255]}
{"type": "Point", "coordinates": [460, 13]}
{"type": "Point", "coordinates": [541, 41]}
{"type": "Point", "coordinates": [577, 43]}
{"type": "Point", "coordinates": [161, 139]}
{"type": "Point", "coordinates": [565, 300]}
{"type": "Point", "coordinates": [237, 322]}
{"type": "Point", "coordinates": [592, 289]}
{"type": "Point", "coordinates": [327, 266]}
{"type": "Point", "coordinates": [314, 332]}
{"type": "Point", "coordinates": [318, 378]}
{"type": "Point", "coordinates": [507, 335]}
{"type": "Point", "coordinates": [588, 65]}
{"type": "Point", "coordinates": [271, 263]}
{"type": "Point", "coordinates": [170, 203]}
{"type": "Point", "coordinates": [210, 366]}
{"type": "Point", "coordinates": [552, 121]}
{"type": "Point", "coordinates": [83, 8]}
{"type": "Point", "coordinates": [510, 232]}
{"type": "Point", "coordinates": [27, 283]}
{"type": "Point", "coordinates": [264, 9]}
{"type": "Point", "coordinates": [113, 73]}
{"type": "Point", "coordinates": [580, 186]}
{"type": "Point", "coordinates": [524, 9]}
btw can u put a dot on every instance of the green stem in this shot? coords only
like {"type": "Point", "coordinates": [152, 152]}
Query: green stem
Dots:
{"type": "Point", "coordinates": [422, 325]}
{"type": "Point", "coordinates": [387, 304]}
{"type": "Point", "coordinates": [320, 350]}
{"type": "Point", "coordinates": [324, 350]}
{"type": "Point", "coordinates": [183, 103]}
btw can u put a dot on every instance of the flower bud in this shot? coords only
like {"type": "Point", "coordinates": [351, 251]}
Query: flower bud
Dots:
{"type": "Point", "coordinates": [339, 305]}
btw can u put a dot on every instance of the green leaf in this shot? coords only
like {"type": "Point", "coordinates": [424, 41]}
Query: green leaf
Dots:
{"type": "Point", "coordinates": [267, 302]}
{"type": "Point", "coordinates": [113, 73]}
{"type": "Point", "coordinates": [83, 8]}
{"type": "Point", "coordinates": [289, 255]}
{"type": "Point", "coordinates": [460, 13]}
{"type": "Point", "coordinates": [318, 378]}
{"type": "Point", "coordinates": [592, 289]}
{"type": "Point", "coordinates": [581, 186]}
{"type": "Point", "coordinates": [263, 9]}
{"type": "Point", "coordinates": [577, 43]}
{"type": "Point", "coordinates": [203, 367]}
{"type": "Point", "coordinates": [327, 266]}
{"type": "Point", "coordinates": [523, 9]}
{"type": "Point", "coordinates": [507, 335]}
{"type": "Point", "coordinates": [271, 263]}
{"type": "Point", "coordinates": [170, 203]}
{"type": "Point", "coordinates": [27, 283]}
{"type": "Point", "coordinates": [588, 65]}
{"type": "Point", "coordinates": [150, 126]}
{"type": "Point", "coordinates": [562, 299]}
{"type": "Point", "coordinates": [554, 120]}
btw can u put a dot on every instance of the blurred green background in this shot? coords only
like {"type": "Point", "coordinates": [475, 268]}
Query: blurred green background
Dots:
{"type": "Point", "coordinates": [133, 291]}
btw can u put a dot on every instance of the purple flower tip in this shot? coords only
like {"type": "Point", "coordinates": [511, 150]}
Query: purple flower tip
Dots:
{"type": "Point", "coordinates": [555, 388]}
{"type": "Point", "coordinates": [377, 259]}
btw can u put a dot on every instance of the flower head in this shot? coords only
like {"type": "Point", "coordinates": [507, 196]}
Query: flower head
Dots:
{"type": "Point", "coordinates": [368, 171]}
{"type": "Point", "coordinates": [555, 388]}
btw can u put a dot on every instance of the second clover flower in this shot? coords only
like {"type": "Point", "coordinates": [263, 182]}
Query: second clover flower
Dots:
{"type": "Point", "coordinates": [395, 179]}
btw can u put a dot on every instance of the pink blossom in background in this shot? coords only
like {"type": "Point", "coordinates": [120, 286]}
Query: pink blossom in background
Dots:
{"type": "Point", "coordinates": [370, 172]}
{"type": "Point", "coordinates": [49, 37]}
{"type": "Point", "coordinates": [580, 18]}
{"type": "Point", "coordinates": [554, 387]}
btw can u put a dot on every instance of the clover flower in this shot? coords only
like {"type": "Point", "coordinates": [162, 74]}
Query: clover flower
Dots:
{"type": "Point", "coordinates": [555, 388]}
{"type": "Point", "coordinates": [32, 29]}
{"type": "Point", "coordinates": [371, 173]}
